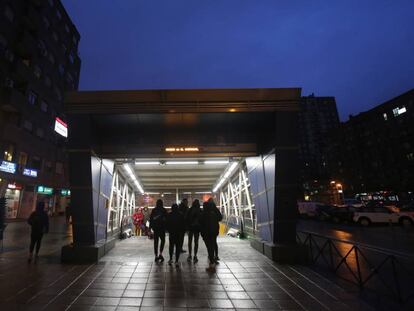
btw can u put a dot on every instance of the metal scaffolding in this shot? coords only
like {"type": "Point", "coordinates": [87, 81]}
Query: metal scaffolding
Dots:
{"type": "Point", "coordinates": [236, 203]}
{"type": "Point", "coordinates": [121, 201]}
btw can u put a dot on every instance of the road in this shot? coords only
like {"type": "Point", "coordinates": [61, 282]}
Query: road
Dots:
{"type": "Point", "coordinates": [395, 237]}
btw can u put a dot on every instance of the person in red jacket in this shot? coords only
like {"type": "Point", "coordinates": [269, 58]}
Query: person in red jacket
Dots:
{"type": "Point", "coordinates": [138, 218]}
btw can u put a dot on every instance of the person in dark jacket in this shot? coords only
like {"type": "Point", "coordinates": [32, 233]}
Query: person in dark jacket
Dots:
{"type": "Point", "coordinates": [157, 224]}
{"type": "Point", "coordinates": [209, 222]}
{"type": "Point", "coordinates": [39, 221]}
{"type": "Point", "coordinates": [220, 217]}
{"type": "Point", "coordinates": [175, 228]}
{"type": "Point", "coordinates": [193, 225]}
{"type": "Point", "coordinates": [183, 208]}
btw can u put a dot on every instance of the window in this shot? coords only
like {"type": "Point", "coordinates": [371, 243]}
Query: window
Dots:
{"type": "Point", "coordinates": [55, 36]}
{"type": "Point", "coordinates": [58, 14]}
{"type": "Point", "coordinates": [49, 167]}
{"type": "Point", "coordinates": [27, 125]}
{"type": "Point", "coordinates": [48, 81]}
{"type": "Point", "coordinates": [385, 116]}
{"type": "Point", "coordinates": [43, 106]}
{"type": "Point", "coordinates": [37, 163]}
{"type": "Point", "coordinates": [39, 132]}
{"type": "Point", "coordinates": [61, 69]}
{"type": "Point", "coordinates": [22, 159]}
{"type": "Point", "coordinates": [52, 58]}
{"type": "Point", "coordinates": [410, 156]}
{"type": "Point", "coordinates": [64, 48]}
{"type": "Point", "coordinates": [8, 12]}
{"type": "Point", "coordinates": [74, 39]}
{"type": "Point", "coordinates": [59, 168]}
{"type": "Point", "coordinates": [67, 28]}
{"type": "Point", "coordinates": [8, 153]}
{"type": "Point", "coordinates": [72, 57]}
{"type": "Point", "coordinates": [37, 71]}
{"type": "Point", "coordinates": [46, 22]}
{"type": "Point", "coordinates": [58, 94]}
{"type": "Point", "coordinates": [32, 98]}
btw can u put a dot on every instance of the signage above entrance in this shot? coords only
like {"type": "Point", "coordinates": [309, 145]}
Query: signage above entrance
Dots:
{"type": "Point", "coordinates": [8, 167]}
{"type": "Point", "coordinates": [65, 192]}
{"type": "Point", "coordinates": [182, 149]}
{"type": "Point", "coordinates": [44, 190]}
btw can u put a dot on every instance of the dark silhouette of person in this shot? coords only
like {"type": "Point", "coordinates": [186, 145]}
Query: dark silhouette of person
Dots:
{"type": "Point", "coordinates": [220, 217]}
{"type": "Point", "coordinates": [157, 224]}
{"type": "Point", "coordinates": [175, 228]}
{"type": "Point", "coordinates": [39, 222]}
{"type": "Point", "coordinates": [209, 222]}
{"type": "Point", "coordinates": [183, 208]}
{"type": "Point", "coordinates": [193, 225]}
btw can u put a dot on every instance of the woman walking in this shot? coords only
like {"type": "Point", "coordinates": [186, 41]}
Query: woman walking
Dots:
{"type": "Point", "coordinates": [39, 221]}
{"type": "Point", "coordinates": [175, 227]}
{"type": "Point", "coordinates": [193, 225]}
{"type": "Point", "coordinates": [209, 222]}
{"type": "Point", "coordinates": [157, 224]}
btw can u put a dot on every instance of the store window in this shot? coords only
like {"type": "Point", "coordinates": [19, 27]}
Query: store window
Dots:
{"type": "Point", "coordinates": [32, 98]}
{"type": "Point", "coordinates": [8, 153]}
{"type": "Point", "coordinates": [43, 106]}
{"type": "Point", "coordinates": [8, 12]}
{"type": "Point", "coordinates": [37, 163]}
{"type": "Point", "coordinates": [22, 158]}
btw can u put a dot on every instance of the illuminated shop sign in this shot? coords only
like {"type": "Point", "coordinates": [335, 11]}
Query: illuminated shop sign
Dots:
{"type": "Point", "coordinates": [44, 190]}
{"type": "Point", "coordinates": [65, 192]}
{"type": "Point", "coordinates": [61, 127]}
{"type": "Point", "coordinates": [181, 149]}
{"type": "Point", "coordinates": [29, 172]}
{"type": "Point", "coordinates": [14, 186]}
{"type": "Point", "coordinates": [8, 167]}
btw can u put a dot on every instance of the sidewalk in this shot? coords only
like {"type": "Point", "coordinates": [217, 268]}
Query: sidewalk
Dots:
{"type": "Point", "coordinates": [128, 279]}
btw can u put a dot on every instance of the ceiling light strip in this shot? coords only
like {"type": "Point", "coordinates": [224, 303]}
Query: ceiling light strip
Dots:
{"type": "Point", "coordinates": [131, 174]}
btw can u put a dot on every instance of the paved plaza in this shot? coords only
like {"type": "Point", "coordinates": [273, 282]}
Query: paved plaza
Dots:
{"type": "Point", "coordinates": [129, 279]}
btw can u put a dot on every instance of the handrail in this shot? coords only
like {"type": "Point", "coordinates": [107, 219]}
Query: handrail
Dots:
{"type": "Point", "coordinates": [384, 251]}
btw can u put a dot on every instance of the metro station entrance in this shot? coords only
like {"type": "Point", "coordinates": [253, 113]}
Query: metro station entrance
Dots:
{"type": "Point", "coordinates": [127, 148]}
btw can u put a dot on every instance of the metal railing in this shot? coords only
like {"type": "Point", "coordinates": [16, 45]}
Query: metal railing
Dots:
{"type": "Point", "coordinates": [382, 276]}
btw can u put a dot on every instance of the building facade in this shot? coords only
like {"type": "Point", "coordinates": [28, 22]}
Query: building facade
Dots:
{"type": "Point", "coordinates": [374, 151]}
{"type": "Point", "coordinates": [39, 62]}
{"type": "Point", "coordinates": [318, 117]}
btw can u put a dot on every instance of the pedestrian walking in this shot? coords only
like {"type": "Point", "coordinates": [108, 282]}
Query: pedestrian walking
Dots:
{"type": "Point", "coordinates": [193, 225]}
{"type": "Point", "coordinates": [175, 228]}
{"type": "Point", "coordinates": [157, 224]}
{"type": "Point", "coordinates": [220, 217]}
{"type": "Point", "coordinates": [138, 219]}
{"type": "Point", "coordinates": [209, 222]}
{"type": "Point", "coordinates": [183, 208]}
{"type": "Point", "coordinates": [39, 222]}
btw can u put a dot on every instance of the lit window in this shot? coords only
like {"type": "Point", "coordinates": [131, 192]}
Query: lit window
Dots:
{"type": "Point", "coordinates": [399, 111]}
{"type": "Point", "coordinates": [43, 106]}
{"type": "Point", "coordinates": [385, 116]}
{"type": "Point", "coordinates": [23, 158]}
{"type": "Point", "coordinates": [8, 12]}
{"type": "Point", "coordinates": [32, 98]}
{"type": "Point", "coordinates": [8, 153]}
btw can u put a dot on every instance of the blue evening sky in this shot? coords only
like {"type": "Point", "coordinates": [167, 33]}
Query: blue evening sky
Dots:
{"type": "Point", "coordinates": [360, 51]}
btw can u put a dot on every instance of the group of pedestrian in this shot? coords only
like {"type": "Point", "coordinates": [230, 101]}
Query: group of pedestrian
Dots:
{"type": "Point", "coordinates": [180, 220]}
{"type": "Point", "coordinates": [140, 219]}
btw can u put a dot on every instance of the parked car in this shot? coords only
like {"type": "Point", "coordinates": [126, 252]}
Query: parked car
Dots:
{"type": "Point", "coordinates": [323, 211]}
{"type": "Point", "coordinates": [342, 213]}
{"type": "Point", "coordinates": [378, 214]}
{"type": "Point", "coordinates": [353, 202]}
{"type": "Point", "coordinates": [406, 214]}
